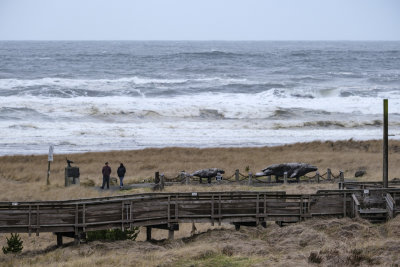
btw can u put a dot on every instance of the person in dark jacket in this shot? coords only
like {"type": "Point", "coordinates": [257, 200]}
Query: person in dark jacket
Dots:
{"type": "Point", "coordinates": [106, 175]}
{"type": "Point", "coordinates": [121, 174]}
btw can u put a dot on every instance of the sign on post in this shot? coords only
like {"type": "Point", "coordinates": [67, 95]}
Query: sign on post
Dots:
{"type": "Point", "coordinates": [50, 159]}
{"type": "Point", "coordinates": [51, 149]}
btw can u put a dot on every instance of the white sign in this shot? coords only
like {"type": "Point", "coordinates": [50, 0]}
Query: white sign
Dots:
{"type": "Point", "coordinates": [51, 149]}
{"type": "Point", "coordinates": [366, 191]}
{"type": "Point", "coordinates": [194, 194]}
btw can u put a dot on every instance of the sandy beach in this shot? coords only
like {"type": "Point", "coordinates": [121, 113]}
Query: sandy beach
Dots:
{"type": "Point", "coordinates": [24, 177]}
{"type": "Point", "coordinates": [333, 241]}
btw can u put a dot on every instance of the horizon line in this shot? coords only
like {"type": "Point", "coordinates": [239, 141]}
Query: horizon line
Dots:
{"type": "Point", "coordinates": [191, 40]}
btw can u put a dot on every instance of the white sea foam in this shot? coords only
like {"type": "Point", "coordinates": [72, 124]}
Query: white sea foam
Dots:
{"type": "Point", "coordinates": [223, 105]}
{"type": "Point", "coordinates": [87, 124]}
{"type": "Point", "coordinates": [176, 94]}
{"type": "Point", "coordinates": [107, 84]}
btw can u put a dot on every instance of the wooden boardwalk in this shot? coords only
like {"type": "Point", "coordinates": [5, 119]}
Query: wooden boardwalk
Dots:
{"type": "Point", "coordinates": [167, 210]}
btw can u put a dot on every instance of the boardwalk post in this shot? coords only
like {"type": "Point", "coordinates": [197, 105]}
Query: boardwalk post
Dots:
{"type": "Point", "coordinates": [171, 234]}
{"type": "Point", "coordinates": [186, 176]}
{"type": "Point", "coordinates": [59, 239]}
{"type": "Point", "coordinates": [341, 180]}
{"type": "Point", "coordinates": [285, 177]}
{"type": "Point", "coordinates": [148, 233]}
{"type": "Point", "coordinates": [328, 174]}
{"type": "Point", "coordinates": [250, 178]}
{"type": "Point", "coordinates": [162, 181]}
{"type": "Point", "coordinates": [385, 143]}
{"type": "Point", "coordinates": [317, 176]}
{"type": "Point", "coordinates": [237, 176]}
{"type": "Point", "coordinates": [269, 179]}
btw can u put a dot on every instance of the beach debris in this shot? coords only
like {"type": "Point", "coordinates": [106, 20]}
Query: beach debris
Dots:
{"type": "Point", "coordinates": [360, 173]}
{"type": "Point", "coordinates": [293, 170]}
{"type": "Point", "coordinates": [207, 173]}
{"type": "Point", "coordinates": [113, 181]}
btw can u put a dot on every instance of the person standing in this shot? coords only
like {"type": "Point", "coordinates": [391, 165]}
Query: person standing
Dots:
{"type": "Point", "coordinates": [121, 174]}
{"type": "Point", "coordinates": [106, 175]}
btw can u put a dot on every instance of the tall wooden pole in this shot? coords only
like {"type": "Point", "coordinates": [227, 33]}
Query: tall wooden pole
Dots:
{"type": "Point", "coordinates": [48, 174]}
{"type": "Point", "coordinates": [385, 143]}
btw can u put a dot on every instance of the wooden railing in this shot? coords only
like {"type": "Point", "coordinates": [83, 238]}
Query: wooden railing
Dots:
{"type": "Point", "coordinates": [356, 206]}
{"type": "Point", "coordinates": [76, 216]}
{"type": "Point", "coordinates": [390, 206]}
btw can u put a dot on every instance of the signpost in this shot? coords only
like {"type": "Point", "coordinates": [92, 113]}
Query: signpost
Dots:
{"type": "Point", "coordinates": [50, 159]}
{"type": "Point", "coordinates": [385, 144]}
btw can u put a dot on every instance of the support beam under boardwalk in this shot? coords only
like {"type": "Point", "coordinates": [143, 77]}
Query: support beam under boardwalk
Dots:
{"type": "Point", "coordinates": [171, 229]}
{"type": "Point", "coordinates": [251, 224]}
{"type": "Point", "coordinates": [77, 238]}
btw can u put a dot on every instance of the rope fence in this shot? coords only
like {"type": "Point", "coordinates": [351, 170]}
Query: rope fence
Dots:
{"type": "Point", "coordinates": [250, 179]}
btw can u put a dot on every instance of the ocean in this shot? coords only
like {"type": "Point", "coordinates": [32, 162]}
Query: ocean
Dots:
{"type": "Point", "coordinates": [121, 95]}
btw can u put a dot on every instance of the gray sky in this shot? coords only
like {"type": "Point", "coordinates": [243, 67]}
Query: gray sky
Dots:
{"type": "Point", "coordinates": [199, 20]}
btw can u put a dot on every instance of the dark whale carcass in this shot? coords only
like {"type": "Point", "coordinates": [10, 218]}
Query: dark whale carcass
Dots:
{"type": "Point", "coordinates": [293, 170]}
{"type": "Point", "coordinates": [207, 173]}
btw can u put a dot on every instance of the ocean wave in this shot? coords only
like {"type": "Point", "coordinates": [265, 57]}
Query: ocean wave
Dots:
{"type": "Point", "coordinates": [331, 124]}
{"type": "Point", "coordinates": [84, 83]}
{"type": "Point", "coordinates": [53, 81]}
{"type": "Point", "coordinates": [214, 53]}
{"type": "Point", "coordinates": [15, 113]}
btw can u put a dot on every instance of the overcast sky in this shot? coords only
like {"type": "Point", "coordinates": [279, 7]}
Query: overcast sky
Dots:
{"type": "Point", "coordinates": [199, 20]}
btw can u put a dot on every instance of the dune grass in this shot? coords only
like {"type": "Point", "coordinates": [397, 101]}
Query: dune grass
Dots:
{"type": "Point", "coordinates": [24, 177]}
{"type": "Point", "coordinates": [332, 242]}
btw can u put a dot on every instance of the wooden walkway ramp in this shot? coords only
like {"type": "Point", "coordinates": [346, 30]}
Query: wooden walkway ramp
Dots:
{"type": "Point", "coordinates": [167, 210]}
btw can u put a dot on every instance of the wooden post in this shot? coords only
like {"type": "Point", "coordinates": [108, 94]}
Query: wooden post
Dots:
{"type": "Point", "coordinates": [37, 220]}
{"type": "Point", "coordinates": [187, 177]}
{"type": "Point", "coordinates": [317, 176]}
{"type": "Point", "coordinates": [385, 143]}
{"type": "Point", "coordinates": [156, 177]}
{"type": "Point", "coordinates": [237, 176]}
{"type": "Point", "coordinates": [250, 178]}
{"type": "Point", "coordinates": [269, 179]}
{"type": "Point", "coordinates": [77, 240]}
{"type": "Point", "coordinates": [328, 174]}
{"type": "Point", "coordinates": [285, 177]}
{"type": "Point", "coordinates": [48, 174]}
{"type": "Point", "coordinates": [171, 234]}
{"type": "Point", "coordinates": [148, 233]}
{"type": "Point", "coordinates": [341, 180]}
{"type": "Point", "coordinates": [162, 181]}
{"type": "Point", "coordinates": [59, 239]}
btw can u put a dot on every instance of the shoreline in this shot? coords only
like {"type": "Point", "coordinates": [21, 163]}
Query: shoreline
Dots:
{"type": "Point", "coordinates": [272, 145]}
{"type": "Point", "coordinates": [347, 156]}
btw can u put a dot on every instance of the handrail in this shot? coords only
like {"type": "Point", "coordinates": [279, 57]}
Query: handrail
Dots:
{"type": "Point", "coordinates": [355, 200]}
{"type": "Point", "coordinates": [390, 205]}
{"type": "Point", "coordinates": [168, 208]}
{"type": "Point", "coordinates": [356, 206]}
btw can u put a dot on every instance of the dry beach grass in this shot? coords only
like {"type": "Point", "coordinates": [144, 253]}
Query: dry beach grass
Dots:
{"type": "Point", "coordinates": [331, 242]}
